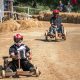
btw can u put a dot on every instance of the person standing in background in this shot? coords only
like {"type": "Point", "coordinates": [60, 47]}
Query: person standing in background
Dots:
{"type": "Point", "coordinates": [61, 6]}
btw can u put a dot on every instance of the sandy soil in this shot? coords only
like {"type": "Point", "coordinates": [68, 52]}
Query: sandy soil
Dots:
{"type": "Point", "coordinates": [55, 60]}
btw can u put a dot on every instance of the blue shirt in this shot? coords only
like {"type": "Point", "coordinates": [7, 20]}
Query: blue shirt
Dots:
{"type": "Point", "coordinates": [56, 21]}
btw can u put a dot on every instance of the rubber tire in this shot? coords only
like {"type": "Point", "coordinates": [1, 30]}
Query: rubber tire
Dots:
{"type": "Point", "coordinates": [1, 70]}
{"type": "Point", "coordinates": [64, 37]}
{"type": "Point", "coordinates": [46, 37]}
{"type": "Point", "coordinates": [3, 73]}
{"type": "Point", "coordinates": [37, 72]}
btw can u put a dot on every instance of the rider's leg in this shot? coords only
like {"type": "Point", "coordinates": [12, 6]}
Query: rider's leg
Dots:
{"type": "Point", "coordinates": [13, 65]}
{"type": "Point", "coordinates": [51, 30]}
{"type": "Point", "coordinates": [26, 65]}
{"type": "Point", "coordinates": [61, 29]}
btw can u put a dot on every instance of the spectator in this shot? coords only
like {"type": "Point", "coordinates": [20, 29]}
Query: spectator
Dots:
{"type": "Point", "coordinates": [61, 6]}
{"type": "Point", "coordinates": [69, 7]}
{"type": "Point", "coordinates": [34, 4]}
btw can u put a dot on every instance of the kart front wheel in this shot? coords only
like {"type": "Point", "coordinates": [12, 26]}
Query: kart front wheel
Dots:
{"type": "Point", "coordinates": [37, 72]}
{"type": "Point", "coordinates": [46, 37]}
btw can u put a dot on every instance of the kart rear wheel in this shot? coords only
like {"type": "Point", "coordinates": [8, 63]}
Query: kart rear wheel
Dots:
{"type": "Point", "coordinates": [1, 70]}
{"type": "Point", "coordinates": [46, 37]}
{"type": "Point", "coordinates": [3, 74]}
{"type": "Point", "coordinates": [64, 35]}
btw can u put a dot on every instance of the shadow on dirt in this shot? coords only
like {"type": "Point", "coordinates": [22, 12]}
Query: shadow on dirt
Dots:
{"type": "Point", "coordinates": [48, 40]}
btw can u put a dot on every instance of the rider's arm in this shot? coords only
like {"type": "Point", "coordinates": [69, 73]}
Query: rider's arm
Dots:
{"type": "Point", "coordinates": [50, 29]}
{"type": "Point", "coordinates": [13, 56]}
{"type": "Point", "coordinates": [52, 21]}
{"type": "Point", "coordinates": [28, 53]}
{"type": "Point", "coordinates": [12, 53]}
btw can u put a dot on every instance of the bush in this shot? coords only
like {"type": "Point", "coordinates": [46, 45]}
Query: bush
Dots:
{"type": "Point", "coordinates": [32, 10]}
{"type": "Point", "coordinates": [42, 7]}
{"type": "Point", "coordinates": [20, 10]}
{"type": "Point", "coordinates": [75, 8]}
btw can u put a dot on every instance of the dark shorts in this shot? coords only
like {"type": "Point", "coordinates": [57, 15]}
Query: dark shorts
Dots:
{"type": "Point", "coordinates": [24, 64]}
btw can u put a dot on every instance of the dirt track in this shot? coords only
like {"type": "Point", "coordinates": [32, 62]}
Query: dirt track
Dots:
{"type": "Point", "coordinates": [56, 60]}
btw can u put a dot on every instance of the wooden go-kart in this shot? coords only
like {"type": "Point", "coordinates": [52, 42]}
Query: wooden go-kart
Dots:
{"type": "Point", "coordinates": [6, 73]}
{"type": "Point", "coordinates": [56, 35]}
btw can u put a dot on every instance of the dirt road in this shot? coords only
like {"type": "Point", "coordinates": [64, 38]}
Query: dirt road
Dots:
{"type": "Point", "coordinates": [56, 60]}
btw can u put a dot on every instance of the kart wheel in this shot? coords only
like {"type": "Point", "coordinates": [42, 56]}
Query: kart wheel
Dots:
{"type": "Point", "coordinates": [46, 37]}
{"type": "Point", "coordinates": [64, 37]}
{"type": "Point", "coordinates": [1, 70]}
{"type": "Point", "coordinates": [37, 72]}
{"type": "Point", "coordinates": [3, 74]}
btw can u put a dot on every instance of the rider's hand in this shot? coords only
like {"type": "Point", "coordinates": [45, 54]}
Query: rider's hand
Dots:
{"type": "Point", "coordinates": [29, 56]}
{"type": "Point", "coordinates": [14, 57]}
{"type": "Point", "coordinates": [55, 26]}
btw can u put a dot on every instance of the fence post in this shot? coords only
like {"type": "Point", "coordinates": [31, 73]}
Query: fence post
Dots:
{"type": "Point", "coordinates": [1, 10]}
{"type": "Point", "coordinates": [28, 12]}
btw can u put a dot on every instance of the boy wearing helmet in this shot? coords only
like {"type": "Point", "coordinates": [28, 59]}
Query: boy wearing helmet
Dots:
{"type": "Point", "coordinates": [56, 20]}
{"type": "Point", "coordinates": [19, 48]}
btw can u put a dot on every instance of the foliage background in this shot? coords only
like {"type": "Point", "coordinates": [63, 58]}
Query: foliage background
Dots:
{"type": "Point", "coordinates": [45, 4]}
